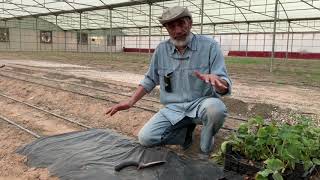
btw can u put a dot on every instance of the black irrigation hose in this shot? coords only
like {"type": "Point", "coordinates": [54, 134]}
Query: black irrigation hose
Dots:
{"type": "Point", "coordinates": [53, 114]}
{"type": "Point", "coordinates": [82, 94]}
{"type": "Point", "coordinates": [147, 109]}
{"type": "Point", "coordinates": [21, 127]}
{"type": "Point", "coordinates": [272, 82]}
{"type": "Point", "coordinates": [238, 118]}
{"type": "Point", "coordinates": [229, 129]}
{"type": "Point", "coordinates": [43, 110]}
{"type": "Point", "coordinates": [52, 71]}
{"type": "Point", "coordinates": [146, 99]}
{"type": "Point", "coordinates": [81, 85]}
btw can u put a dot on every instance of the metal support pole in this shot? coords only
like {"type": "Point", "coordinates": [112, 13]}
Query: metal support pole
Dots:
{"type": "Point", "coordinates": [37, 35]}
{"type": "Point", "coordinates": [105, 40]}
{"type": "Point", "coordinates": [139, 37]}
{"type": "Point", "coordinates": [239, 42]}
{"type": "Point", "coordinates": [20, 34]}
{"type": "Point", "coordinates": [137, 46]}
{"type": "Point", "coordinates": [110, 38]}
{"type": "Point", "coordinates": [56, 33]}
{"type": "Point", "coordinates": [202, 10]}
{"type": "Point", "coordinates": [8, 42]}
{"type": "Point", "coordinates": [150, 5]}
{"type": "Point", "coordinates": [247, 44]}
{"type": "Point", "coordinates": [264, 41]}
{"type": "Point", "coordinates": [124, 41]}
{"type": "Point", "coordinates": [121, 36]}
{"type": "Point", "coordinates": [291, 41]}
{"type": "Point", "coordinates": [80, 37]}
{"type": "Point", "coordinates": [274, 34]}
{"type": "Point", "coordinates": [288, 40]}
{"type": "Point", "coordinates": [65, 40]}
{"type": "Point", "coordinates": [89, 43]}
{"type": "Point", "coordinates": [313, 35]}
{"type": "Point", "coordinates": [161, 34]}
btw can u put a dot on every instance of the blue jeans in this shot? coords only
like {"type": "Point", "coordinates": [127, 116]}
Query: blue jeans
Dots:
{"type": "Point", "coordinates": [158, 130]}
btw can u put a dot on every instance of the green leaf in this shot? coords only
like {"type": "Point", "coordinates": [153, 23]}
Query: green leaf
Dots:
{"type": "Point", "coordinates": [274, 164]}
{"type": "Point", "coordinates": [286, 155]}
{"type": "Point", "coordinates": [307, 165]}
{"type": "Point", "coordinates": [265, 173]}
{"type": "Point", "coordinates": [224, 146]}
{"type": "Point", "coordinates": [316, 161]}
{"type": "Point", "coordinates": [294, 150]}
{"type": "Point", "coordinates": [243, 128]}
{"type": "Point", "coordinates": [217, 157]}
{"type": "Point", "coordinates": [256, 121]}
{"type": "Point", "coordinates": [261, 142]}
{"type": "Point", "coordinates": [260, 177]}
{"type": "Point", "coordinates": [277, 176]}
{"type": "Point", "coordinates": [272, 129]}
{"type": "Point", "coordinates": [262, 132]}
{"type": "Point", "coordinates": [259, 120]}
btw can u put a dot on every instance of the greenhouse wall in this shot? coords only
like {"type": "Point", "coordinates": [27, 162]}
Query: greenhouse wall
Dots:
{"type": "Point", "coordinates": [24, 35]}
{"type": "Point", "coordinates": [28, 38]}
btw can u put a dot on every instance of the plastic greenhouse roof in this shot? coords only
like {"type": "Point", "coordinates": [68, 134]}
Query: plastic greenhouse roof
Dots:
{"type": "Point", "coordinates": [132, 16]}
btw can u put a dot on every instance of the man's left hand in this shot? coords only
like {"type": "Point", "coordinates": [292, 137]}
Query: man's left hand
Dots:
{"type": "Point", "coordinates": [219, 84]}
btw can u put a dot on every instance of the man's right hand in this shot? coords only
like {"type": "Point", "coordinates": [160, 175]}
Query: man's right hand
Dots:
{"type": "Point", "coordinates": [119, 107]}
{"type": "Point", "coordinates": [139, 93]}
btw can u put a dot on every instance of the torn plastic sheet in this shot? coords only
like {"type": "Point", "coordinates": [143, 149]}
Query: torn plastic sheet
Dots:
{"type": "Point", "coordinates": [94, 153]}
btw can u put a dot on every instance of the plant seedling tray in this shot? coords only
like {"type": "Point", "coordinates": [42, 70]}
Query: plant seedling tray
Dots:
{"type": "Point", "coordinates": [235, 162]}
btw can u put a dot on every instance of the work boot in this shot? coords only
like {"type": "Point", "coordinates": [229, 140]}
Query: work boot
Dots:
{"type": "Point", "coordinates": [206, 155]}
{"type": "Point", "coordinates": [212, 145]}
{"type": "Point", "coordinates": [203, 156]}
{"type": "Point", "coordinates": [189, 137]}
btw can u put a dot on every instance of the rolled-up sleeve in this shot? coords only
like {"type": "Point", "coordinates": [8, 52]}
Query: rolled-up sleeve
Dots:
{"type": "Point", "coordinates": [218, 67]}
{"type": "Point", "coordinates": [151, 78]}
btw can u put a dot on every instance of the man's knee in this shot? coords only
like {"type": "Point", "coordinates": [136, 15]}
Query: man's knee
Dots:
{"type": "Point", "coordinates": [214, 109]}
{"type": "Point", "coordinates": [145, 139]}
{"type": "Point", "coordinates": [214, 112]}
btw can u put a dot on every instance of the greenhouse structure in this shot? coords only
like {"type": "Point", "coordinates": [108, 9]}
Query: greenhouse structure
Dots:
{"type": "Point", "coordinates": [120, 89]}
{"type": "Point", "coordinates": [266, 28]}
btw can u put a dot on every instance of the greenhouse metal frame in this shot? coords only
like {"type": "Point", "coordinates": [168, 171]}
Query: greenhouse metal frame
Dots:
{"type": "Point", "coordinates": [128, 19]}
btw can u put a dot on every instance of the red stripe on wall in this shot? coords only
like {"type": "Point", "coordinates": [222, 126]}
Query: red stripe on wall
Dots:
{"type": "Point", "coordinates": [137, 50]}
{"type": "Point", "coordinates": [291, 55]}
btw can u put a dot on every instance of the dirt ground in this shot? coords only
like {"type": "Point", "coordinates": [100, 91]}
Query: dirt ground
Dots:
{"type": "Point", "coordinates": [13, 165]}
{"type": "Point", "coordinates": [272, 101]}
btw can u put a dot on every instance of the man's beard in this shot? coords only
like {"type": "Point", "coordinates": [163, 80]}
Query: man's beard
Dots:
{"type": "Point", "coordinates": [181, 43]}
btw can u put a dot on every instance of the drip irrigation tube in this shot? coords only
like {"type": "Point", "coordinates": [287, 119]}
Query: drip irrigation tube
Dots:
{"type": "Point", "coordinates": [21, 127]}
{"type": "Point", "coordinates": [43, 110]}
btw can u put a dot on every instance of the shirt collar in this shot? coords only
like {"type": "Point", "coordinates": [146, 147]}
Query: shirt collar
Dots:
{"type": "Point", "coordinates": [193, 43]}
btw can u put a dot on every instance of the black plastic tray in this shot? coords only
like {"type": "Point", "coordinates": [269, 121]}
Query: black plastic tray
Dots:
{"type": "Point", "coordinates": [235, 162]}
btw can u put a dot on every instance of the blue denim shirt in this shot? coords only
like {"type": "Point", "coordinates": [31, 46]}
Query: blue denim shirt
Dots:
{"type": "Point", "coordinates": [202, 54]}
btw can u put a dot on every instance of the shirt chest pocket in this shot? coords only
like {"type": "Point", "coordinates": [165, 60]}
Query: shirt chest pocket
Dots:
{"type": "Point", "coordinates": [202, 68]}
{"type": "Point", "coordinates": [167, 79]}
{"type": "Point", "coordinates": [195, 83]}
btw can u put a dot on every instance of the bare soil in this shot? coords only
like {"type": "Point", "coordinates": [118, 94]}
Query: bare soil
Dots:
{"type": "Point", "coordinates": [249, 98]}
{"type": "Point", "coordinates": [13, 165]}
